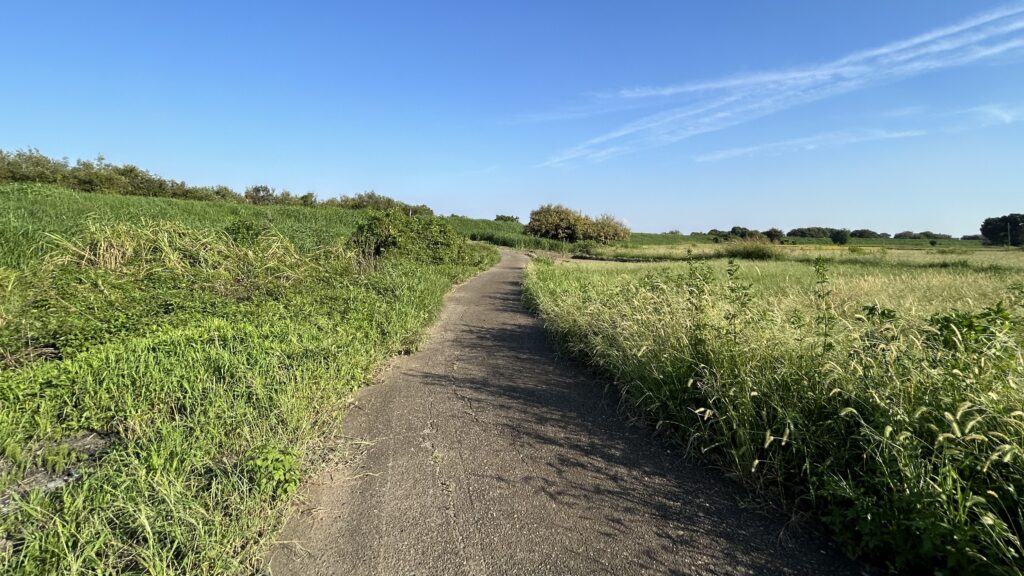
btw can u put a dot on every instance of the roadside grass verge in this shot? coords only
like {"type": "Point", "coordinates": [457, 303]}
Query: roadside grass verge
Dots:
{"type": "Point", "coordinates": [163, 381]}
{"type": "Point", "coordinates": [890, 407]}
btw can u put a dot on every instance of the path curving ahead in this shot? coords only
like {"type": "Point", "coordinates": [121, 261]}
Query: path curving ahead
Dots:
{"type": "Point", "coordinates": [488, 454]}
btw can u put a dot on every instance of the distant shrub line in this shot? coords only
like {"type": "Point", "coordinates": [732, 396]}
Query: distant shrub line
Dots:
{"type": "Point", "coordinates": [30, 166]}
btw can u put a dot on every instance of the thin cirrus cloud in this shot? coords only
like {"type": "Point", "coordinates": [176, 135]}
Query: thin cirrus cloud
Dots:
{"type": "Point", "coordinates": [708, 106]}
{"type": "Point", "coordinates": [815, 142]}
{"type": "Point", "coordinates": [956, 121]}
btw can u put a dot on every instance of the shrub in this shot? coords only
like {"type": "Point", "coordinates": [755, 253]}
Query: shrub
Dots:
{"type": "Point", "coordinates": [506, 218]}
{"type": "Point", "coordinates": [422, 238]}
{"type": "Point", "coordinates": [100, 176]}
{"type": "Point", "coordinates": [865, 233]}
{"type": "Point", "coordinates": [840, 237]}
{"type": "Point", "coordinates": [774, 234]}
{"type": "Point", "coordinates": [373, 201]}
{"type": "Point", "coordinates": [259, 195]}
{"type": "Point", "coordinates": [812, 232]}
{"type": "Point", "coordinates": [749, 250]}
{"type": "Point", "coordinates": [557, 222]}
{"type": "Point", "coordinates": [606, 228]}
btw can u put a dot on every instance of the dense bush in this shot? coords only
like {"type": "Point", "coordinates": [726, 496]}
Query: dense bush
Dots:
{"type": "Point", "coordinates": [422, 238]}
{"type": "Point", "coordinates": [30, 166]}
{"type": "Point", "coordinates": [373, 201]}
{"type": "Point", "coordinates": [840, 236]}
{"type": "Point", "coordinates": [560, 223]}
{"type": "Point", "coordinates": [811, 232]}
{"type": "Point", "coordinates": [865, 233]}
{"type": "Point", "coordinates": [605, 229]}
{"type": "Point", "coordinates": [1004, 230]}
{"type": "Point", "coordinates": [774, 235]}
{"type": "Point", "coordinates": [100, 176]}
{"type": "Point", "coordinates": [506, 218]}
{"type": "Point", "coordinates": [557, 223]}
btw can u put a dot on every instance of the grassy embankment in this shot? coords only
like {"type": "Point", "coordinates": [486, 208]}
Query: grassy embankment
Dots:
{"type": "Point", "coordinates": [509, 234]}
{"type": "Point", "coordinates": [884, 396]}
{"type": "Point", "coordinates": [168, 367]}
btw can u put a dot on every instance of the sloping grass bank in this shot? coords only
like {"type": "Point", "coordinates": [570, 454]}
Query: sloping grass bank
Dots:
{"type": "Point", "coordinates": [902, 431]}
{"type": "Point", "coordinates": [162, 383]}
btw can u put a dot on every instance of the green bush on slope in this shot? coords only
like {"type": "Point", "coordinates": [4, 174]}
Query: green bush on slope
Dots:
{"type": "Point", "coordinates": [209, 361]}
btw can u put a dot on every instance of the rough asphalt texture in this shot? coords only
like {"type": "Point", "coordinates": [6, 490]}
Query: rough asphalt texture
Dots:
{"type": "Point", "coordinates": [489, 454]}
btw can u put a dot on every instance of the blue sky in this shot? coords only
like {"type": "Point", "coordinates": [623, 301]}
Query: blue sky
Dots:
{"type": "Point", "coordinates": [671, 115]}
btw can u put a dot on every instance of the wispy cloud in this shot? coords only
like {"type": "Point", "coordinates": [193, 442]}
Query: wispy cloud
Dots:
{"type": "Point", "coordinates": [711, 105]}
{"type": "Point", "coordinates": [949, 122]}
{"type": "Point", "coordinates": [815, 142]}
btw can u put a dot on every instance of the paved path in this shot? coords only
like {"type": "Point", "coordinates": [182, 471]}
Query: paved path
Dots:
{"type": "Point", "coordinates": [490, 455]}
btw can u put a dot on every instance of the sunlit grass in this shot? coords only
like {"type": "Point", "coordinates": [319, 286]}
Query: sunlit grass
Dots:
{"type": "Point", "coordinates": [882, 394]}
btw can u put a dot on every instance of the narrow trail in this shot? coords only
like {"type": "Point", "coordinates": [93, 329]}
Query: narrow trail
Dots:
{"type": "Point", "coordinates": [490, 455]}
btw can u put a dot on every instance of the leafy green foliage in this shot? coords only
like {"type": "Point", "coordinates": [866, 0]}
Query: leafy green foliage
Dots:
{"type": "Point", "coordinates": [200, 344]}
{"type": "Point", "coordinates": [1005, 230]}
{"type": "Point", "coordinates": [374, 201]}
{"type": "Point", "coordinates": [273, 471]}
{"type": "Point", "coordinates": [840, 236]}
{"type": "Point", "coordinates": [100, 176]}
{"type": "Point", "coordinates": [423, 238]}
{"type": "Point", "coordinates": [560, 223]}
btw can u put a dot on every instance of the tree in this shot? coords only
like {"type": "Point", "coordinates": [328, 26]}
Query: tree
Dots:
{"type": "Point", "coordinates": [506, 218]}
{"type": "Point", "coordinates": [774, 234]}
{"type": "Point", "coordinates": [840, 236]}
{"type": "Point", "coordinates": [865, 233]}
{"type": "Point", "coordinates": [259, 194]}
{"type": "Point", "coordinates": [1004, 230]}
{"type": "Point", "coordinates": [907, 235]}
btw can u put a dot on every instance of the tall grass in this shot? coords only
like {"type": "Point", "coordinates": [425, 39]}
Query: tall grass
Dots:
{"type": "Point", "coordinates": [505, 233]}
{"type": "Point", "coordinates": [165, 383]}
{"type": "Point", "coordinates": [901, 429]}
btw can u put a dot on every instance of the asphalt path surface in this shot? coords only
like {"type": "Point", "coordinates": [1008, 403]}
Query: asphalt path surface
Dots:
{"type": "Point", "coordinates": [487, 453]}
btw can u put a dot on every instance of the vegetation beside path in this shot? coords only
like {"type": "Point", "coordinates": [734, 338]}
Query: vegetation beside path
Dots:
{"type": "Point", "coordinates": [167, 366]}
{"type": "Point", "coordinates": [885, 399]}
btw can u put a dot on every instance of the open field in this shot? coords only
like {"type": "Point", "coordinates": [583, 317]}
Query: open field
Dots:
{"type": "Point", "coordinates": [699, 247]}
{"type": "Point", "coordinates": [169, 369]}
{"type": "Point", "coordinates": [880, 392]}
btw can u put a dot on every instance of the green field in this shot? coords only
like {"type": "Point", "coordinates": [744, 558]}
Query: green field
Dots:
{"type": "Point", "coordinates": [882, 392]}
{"type": "Point", "coordinates": [169, 369]}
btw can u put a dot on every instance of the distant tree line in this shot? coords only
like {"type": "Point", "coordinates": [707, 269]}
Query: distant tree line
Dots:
{"type": "Point", "coordinates": [557, 222]}
{"type": "Point", "coordinates": [101, 176]}
{"type": "Point", "coordinates": [506, 218]}
{"type": "Point", "coordinates": [837, 235]}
